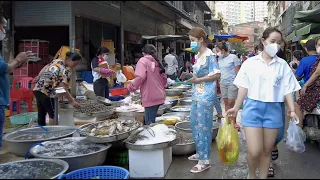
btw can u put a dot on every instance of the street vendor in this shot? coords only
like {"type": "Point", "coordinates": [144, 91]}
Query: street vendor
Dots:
{"type": "Point", "coordinates": [205, 74]}
{"type": "Point", "coordinates": [151, 78]}
{"type": "Point", "coordinates": [55, 74]}
{"type": "Point", "coordinates": [101, 72]}
{"type": "Point", "coordinates": [5, 69]}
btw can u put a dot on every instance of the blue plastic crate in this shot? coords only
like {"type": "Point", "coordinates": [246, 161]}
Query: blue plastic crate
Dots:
{"type": "Point", "coordinates": [97, 172]}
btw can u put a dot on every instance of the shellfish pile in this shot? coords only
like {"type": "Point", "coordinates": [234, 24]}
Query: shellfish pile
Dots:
{"type": "Point", "coordinates": [92, 106]}
{"type": "Point", "coordinates": [113, 127]}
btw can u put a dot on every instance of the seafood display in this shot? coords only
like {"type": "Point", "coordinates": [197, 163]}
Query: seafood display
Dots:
{"type": "Point", "coordinates": [41, 135]}
{"type": "Point", "coordinates": [181, 108]}
{"type": "Point", "coordinates": [68, 147]}
{"type": "Point", "coordinates": [130, 108]}
{"type": "Point", "coordinates": [112, 127]}
{"type": "Point", "coordinates": [156, 134]}
{"type": "Point", "coordinates": [92, 106]}
{"type": "Point", "coordinates": [30, 170]}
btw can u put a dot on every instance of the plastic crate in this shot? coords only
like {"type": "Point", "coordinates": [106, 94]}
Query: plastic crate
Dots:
{"type": "Point", "coordinates": [24, 118]}
{"type": "Point", "coordinates": [119, 92]}
{"type": "Point", "coordinates": [97, 172]}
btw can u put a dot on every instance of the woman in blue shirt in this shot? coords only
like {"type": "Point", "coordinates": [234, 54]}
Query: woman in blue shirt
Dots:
{"type": "Point", "coordinates": [205, 73]}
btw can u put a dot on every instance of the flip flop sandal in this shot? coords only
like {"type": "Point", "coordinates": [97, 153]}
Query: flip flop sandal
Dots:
{"type": "Point", "coordinates": [200, 168]}
{"type": "Point", "coordinates": [194, 157]}
{"type": "Point", "coordinates": [274, 155]}
{"type": "Point", "coordinates": [271, 172]}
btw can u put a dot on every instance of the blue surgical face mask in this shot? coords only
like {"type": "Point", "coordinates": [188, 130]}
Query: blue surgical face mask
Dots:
{"type": "Point", "coordinates": [194, 46]}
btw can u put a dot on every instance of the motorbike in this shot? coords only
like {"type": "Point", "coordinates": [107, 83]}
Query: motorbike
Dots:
{"type": "Point", "coordinates": [311, 125]}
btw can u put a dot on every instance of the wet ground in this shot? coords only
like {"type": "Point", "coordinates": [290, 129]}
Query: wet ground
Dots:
{"type": "Point", "coordinates": [289, 165]}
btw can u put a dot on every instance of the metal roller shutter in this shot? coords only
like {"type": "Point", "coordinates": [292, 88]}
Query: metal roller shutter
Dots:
{"type": "Point", "coordinates": [42, 13]}
{"type": "Point", "coordinates": [104, 11]}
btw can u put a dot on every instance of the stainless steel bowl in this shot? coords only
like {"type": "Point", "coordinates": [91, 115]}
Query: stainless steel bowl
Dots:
{"type": "Point", "coordinates": [161, 110]}
{"type": "Point", "coordinates": [168, 104]}
{"type": "Point", "coordinates": [174, 101]}
{"type": "Point", "coordinates": [181, 87]}
{"type": "Point", "coordinates": [64, 164]}
{"type": "Point", "coordinates": [184, 127]}
{"type": "Point", "coordinates": [182, 115]}
{"type": "Point", "coordinates": [174, 92]}
{"type": "Point", "coordinates": [79, 161]}
{"type": "Point", "coordinates": [187, 94]}
{"type": "Point", "coordinates": [183, 149]}
{"type": "Point", "coordinates": [181, 109]}
{"type": "Point", "coordinates": [21, 147]}
{"type": "Point", "coordinates": [185, 102]}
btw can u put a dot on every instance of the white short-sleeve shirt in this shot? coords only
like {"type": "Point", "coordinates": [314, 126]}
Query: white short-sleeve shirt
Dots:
{"type": "Point", "coordinates": [266, 82]}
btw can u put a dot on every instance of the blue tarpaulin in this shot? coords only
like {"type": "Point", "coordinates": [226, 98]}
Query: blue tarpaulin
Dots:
{"type": "Point", "coordinates": [225, 36]}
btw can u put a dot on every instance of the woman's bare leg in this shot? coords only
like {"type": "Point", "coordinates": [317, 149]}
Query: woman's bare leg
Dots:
{"type": "Point", "coordinates": [299, 113]}
{"type": "Point", "coordinates": [269, 138]}
{"type": "Point", "coordinates": [254, 138]}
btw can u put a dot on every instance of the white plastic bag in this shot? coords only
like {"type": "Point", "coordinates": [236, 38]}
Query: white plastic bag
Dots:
{"type": "Point", "coordinates": [295, 138]}
{"type": "Point", "coordinates": [121, 78]}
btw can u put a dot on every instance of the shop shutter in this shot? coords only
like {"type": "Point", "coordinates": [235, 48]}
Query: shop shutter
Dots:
{"type": "Point", "coordinates": [42, 13]}
{"type": "Point", "coordinates": [104, 11]}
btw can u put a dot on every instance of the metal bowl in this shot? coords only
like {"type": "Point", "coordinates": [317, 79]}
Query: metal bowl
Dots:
{"type": "Point", "coordinates": [183, 149]}
{"type": "Point", "coordinates": [181, 87]}
{"type": "Point", "coordinates": [182, 115]}
{"type": "Point", "coordinates": [185, 102]}
{"type": "Point", "coordinates": [64, 164]}
{"type": "Point", "coordinates": [79, 161]}
{"type": "Point", "coordinates": [152, 147]}
{"type": "Point", "coordinates": [168, 104]}
{"type": "Point", "coordinates": [174, 101]}
{"type": "Point", "coordinates": [161, 110]}
{"type": "Point", "coordinates": [174, 92]}
{"type": "Point", "coordinates": [113, 138]}
{"type": "Point", "coordinates": [187, 94]}
{"type": "Point", "coordinates": [21, 147]}
{"type": "Point", "coordinates": [181, 109]}
{"type": "Point", "coordinates": [184, 127]}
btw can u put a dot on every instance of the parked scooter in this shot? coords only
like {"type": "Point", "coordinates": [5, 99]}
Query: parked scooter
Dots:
{"type": "Point", "coordinates": [311, 125]}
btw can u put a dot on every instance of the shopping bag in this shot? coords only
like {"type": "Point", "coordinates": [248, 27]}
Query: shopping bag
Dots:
{"type": "Point", "coordinates": [121, 78]}
{"type": "Point", "coordinates": [295, 138]}
{"type": "Point", "coordinates": [228, 143]}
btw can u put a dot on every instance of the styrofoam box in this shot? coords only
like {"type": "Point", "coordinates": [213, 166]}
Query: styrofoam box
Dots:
{"type": "Point", "coordinates": [149, 164]}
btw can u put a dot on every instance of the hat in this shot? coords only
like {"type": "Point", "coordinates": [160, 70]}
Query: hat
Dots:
{"type": "Point", "coordinates": [102, 61]}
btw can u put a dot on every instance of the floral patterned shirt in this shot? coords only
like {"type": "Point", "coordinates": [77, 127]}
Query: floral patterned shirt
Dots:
{"type": "Point", "coordinates": [54, 73]}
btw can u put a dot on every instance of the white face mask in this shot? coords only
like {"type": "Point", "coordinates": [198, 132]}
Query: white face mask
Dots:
{"type": "Point", "coordinates": [2, 35]}
{"type": "Point", "coordinates": [220, 55]}
{"type": "Point", "coordinates": [272, 49]}
{"type": "Point", "coordinates": [318, 50]}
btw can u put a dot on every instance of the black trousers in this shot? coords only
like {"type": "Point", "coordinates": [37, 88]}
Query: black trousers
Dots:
{"type": "Point", "coordinates": [101, 87]}
{"type": "Point", "coordinates": [45, 105]}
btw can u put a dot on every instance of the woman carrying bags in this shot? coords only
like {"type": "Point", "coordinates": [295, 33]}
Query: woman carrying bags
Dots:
{"type": "Point", "coordinates": [151, 78]}
{"type": "Point", "coordinates": [205, 74]}
{"type": "Point", "coordinates": [267, 81]}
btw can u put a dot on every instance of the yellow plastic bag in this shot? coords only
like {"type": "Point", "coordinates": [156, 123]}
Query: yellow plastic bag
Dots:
{"type": "Point", "coordinates": [228, 143]}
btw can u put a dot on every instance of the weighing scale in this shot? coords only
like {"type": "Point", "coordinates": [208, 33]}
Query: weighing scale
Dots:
{"type": "Point", "coordinates": [57, 92]}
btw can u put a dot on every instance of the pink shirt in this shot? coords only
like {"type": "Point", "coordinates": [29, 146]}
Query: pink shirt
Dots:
{"type": "Point", "coordinates": [152, 84]}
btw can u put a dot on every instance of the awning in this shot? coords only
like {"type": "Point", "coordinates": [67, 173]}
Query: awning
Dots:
{"type": "Point", "coordinates": [306, 30]}
{"type": "Point", "coordinates": [311, 16]}
{"type": "Point", "coordinates": [312, 36]}
{"type": "Point", "coordinates": [165, 37]}
{"type": "Point", "coordinates": [291, 36]}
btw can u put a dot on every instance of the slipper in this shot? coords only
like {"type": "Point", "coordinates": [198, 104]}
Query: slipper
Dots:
{"type": "Point", "coordinates": [200, 168]}
{"type": "Point", "coordinates": [271, 172]}
{"type": "Point", "coordinates": [274, 155]}
{"type": "Point", "coordinates": [194, 157]}
{"type": "Point", "coordinates": [219, 116]}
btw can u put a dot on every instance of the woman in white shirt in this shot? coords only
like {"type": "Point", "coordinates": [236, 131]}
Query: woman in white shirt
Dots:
{"type": "Point", "coordinates": [266, 80]}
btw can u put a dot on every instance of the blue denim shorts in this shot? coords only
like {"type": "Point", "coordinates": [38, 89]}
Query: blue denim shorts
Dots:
{"type": "Point", "coordinates": [262, 114]}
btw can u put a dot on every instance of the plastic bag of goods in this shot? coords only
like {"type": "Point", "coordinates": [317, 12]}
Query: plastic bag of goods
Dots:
{"type": "Point", "coordinates": [295, 138]}
{"type": "Point", "coordinates": [121, 78]}
{"type": "Point", "coordinates": [228, 143]}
